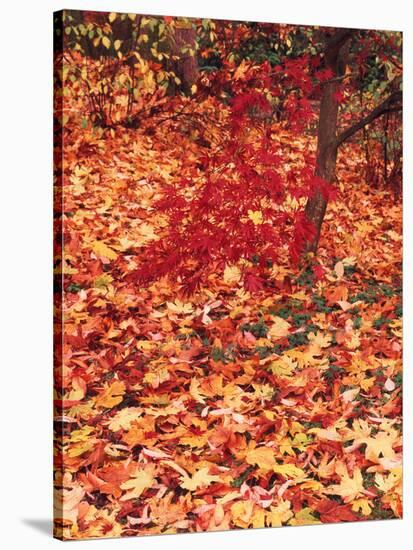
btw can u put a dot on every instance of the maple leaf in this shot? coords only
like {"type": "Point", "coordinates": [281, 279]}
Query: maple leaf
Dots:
{"type": "Point", "coordinates": [79, 389]}
{"type": "Point", "coordinates": [232, 274]}
{"type": "Point", "coordinates": [331, 511]}
{"type": "Point", "coordinates": [103, 250]}
{"type": "Point", "coordinates": [155, 379]}
{"type": "Point", "coordinates": [141, 480]}
{"type": "Point", "coordinates": [201, 478]}
{"type": "Point", "coordinates": [253, 283]}
{"type": "Point", "coordinates": [381, 445]}
{"type": "Point", "coordinates": [112, 395]}
{"type": "Point", "coordinates": [241, 513]}
{"type": "Point", "coordinates": [81, 435]}
{"type": "Point", "coordinates": [179, 307]}
{"type": "Point", "coordinates": [304, 517]}
{"type": "Point", "coordinates": [280, 514]}
{"type": "Point", "coordinates": [349, 396]}
{"type": "Point", "coordinates": [81, 448]}
{"type": "Point", "coordinates": [387, 483]}
{"type": "Point", "coordinates": [279, 329]}
{"type": "Point", "coordinates": [264, 392]}
{"type": "Point", "coordinates": [328, 434]}
{"type": "Point", "coordinates": [349, 488]}
{"type": "Point", "coordinates": [288, 470]}
{"type": "Point", "coordinates": [255, 216]}
{"type": "Point", "coordinates": [103, 281]}
{"type": "Point", "coordinates": [307, 357]}
{"type": "Point", "coordinates": [123, 419]}
{"type": "Point", "coordinates": [284, 366]}
{"type": "Point", "coordinates": [362, 505]}
{"type": "Point", "coordinates": [194, 391]}
{"type": "Point", "coordinates": [146, 345]}
{"type": "Point", "coordinates": [263, 457]}
{"type": "Point", "coordinates": [319, 339]}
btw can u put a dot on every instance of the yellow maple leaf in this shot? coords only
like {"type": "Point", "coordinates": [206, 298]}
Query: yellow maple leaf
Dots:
{"type": "Point", "coordinates": [308, 357]}
{"type": "Point", "coordinates": [262, 457]}
{"type": "Point", "coordinates": [288, 470]}
{"type": "Point", "coordinates": [264, 392]}
{"type": "Point", "coordinates": [326, 434]}
{"type": "Point", "coordinates": [103, 281]}
{"type": "Point", "coordinates": [146, 230]}
{"type": "Point", "coordinates": [241, 512]}
{"type": "Point", "coordinates": [194, 391]}
{"type": "Point", "coordinates": [321, 340]}
{"type": "Point", "coordinates": [241, 70]}
{"type": "Point", "coordinates": [304, 517]}
{"type": "Point", "coordinates": [83, 434]}
{"type": "Point", "coordinates": [232, 274]}
{"type": "Point", "coordinates": [156, 378]}
{"type": "Point", "coordinates": [387, 484]}
{"type": "Point", "coordinates": [201, 478]}
{"type": "Point", "coordinates": [349, 488]}
{"type": "Point", "coordinates": [396, 328]}
{"type": "Point", "coordinates": [284, 366]}
{"type": "Point", "coordinates": [123, 419]}
{"type": "Point", "coordinates": [103, 250]}
{"type": "Point", "coordinates": [112, 395]}
{"type": "Point", "coordinates": [279, 329]}
{"type": "Point", "coordinates": [81, 448]}
{"type": "Point", "coordinates": [361, 505]}
{"type": "Point", "coordinates": [277, 515]}
{"type": "Point", "coordinates": [367, 383]}
{"type": "Point", "coordinates": [258, 519]}
{"type": "Point", "coordinates": [141, 480]}
{"type": "Point", "coordinates": [325, 468]}
{"type": "Point", "coordinates": [256, 217]}
{"type": "Point", "coordinates": [179, 307]}
{"type": "Point", "coordinates": [146, 345]}
{"type": "Point", "coordinates": [381, 445]}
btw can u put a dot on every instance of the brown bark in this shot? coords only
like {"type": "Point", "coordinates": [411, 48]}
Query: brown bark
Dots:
{"type": "Point", "coordinates": [183, 49]}
{"type": "Point", "coordinates": [336, 53]}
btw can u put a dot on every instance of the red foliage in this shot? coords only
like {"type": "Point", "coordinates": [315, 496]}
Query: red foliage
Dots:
{"type": "Point", "coordinates": [237, 212]}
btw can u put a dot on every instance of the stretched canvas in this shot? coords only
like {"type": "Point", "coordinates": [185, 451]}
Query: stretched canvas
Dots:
{"type": "Point", "coordinates": [227, 275]}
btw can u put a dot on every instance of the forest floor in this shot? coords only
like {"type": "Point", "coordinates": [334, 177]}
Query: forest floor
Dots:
{"type": "Point", "coordinates": [224, 410]}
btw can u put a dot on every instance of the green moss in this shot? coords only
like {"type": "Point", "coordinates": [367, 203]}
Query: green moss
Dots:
{"type": "Point", "coordinates": [259, 329]}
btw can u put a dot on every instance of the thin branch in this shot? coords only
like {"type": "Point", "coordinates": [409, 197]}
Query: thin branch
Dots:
{"type": "Point", "coordinates": [391, 104]}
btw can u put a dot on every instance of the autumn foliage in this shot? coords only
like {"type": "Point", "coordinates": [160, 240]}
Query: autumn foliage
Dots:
{"type": "Point", "coordinates": [211, 372]}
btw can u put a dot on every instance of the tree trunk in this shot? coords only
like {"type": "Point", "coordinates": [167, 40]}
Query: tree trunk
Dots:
{"type": "Point", "coordinates": [183, 47]}
{"type": "Point", "coordinates": [335, 57]}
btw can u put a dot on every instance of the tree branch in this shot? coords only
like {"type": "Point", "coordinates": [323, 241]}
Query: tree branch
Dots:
{"type": "Point", "coordinates": [391, 104]}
